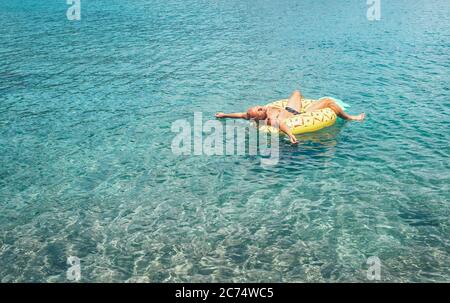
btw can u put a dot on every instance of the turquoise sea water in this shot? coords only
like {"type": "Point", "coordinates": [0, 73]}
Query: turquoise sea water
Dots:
{"type": "Point", "coordinates": [85, 131]}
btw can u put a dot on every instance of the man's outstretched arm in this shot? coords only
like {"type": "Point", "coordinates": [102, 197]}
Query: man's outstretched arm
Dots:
{"type": "Point", "coordinates": [232, 115]}
{"type": "Point", "coordinates": [285, 129]}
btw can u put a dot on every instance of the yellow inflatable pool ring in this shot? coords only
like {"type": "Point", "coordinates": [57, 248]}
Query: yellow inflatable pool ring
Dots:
{"type": "Point", "coordinates": [306, 122]}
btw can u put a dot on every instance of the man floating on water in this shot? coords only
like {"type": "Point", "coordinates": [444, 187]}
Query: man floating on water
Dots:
{"type": "Point", "coordinates": [276, 117]}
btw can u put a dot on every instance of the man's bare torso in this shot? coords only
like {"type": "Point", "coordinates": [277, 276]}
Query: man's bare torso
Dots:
{"type": "Point", "coordinates": [276, 115]}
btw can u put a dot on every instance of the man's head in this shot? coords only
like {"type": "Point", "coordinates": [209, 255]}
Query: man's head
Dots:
{"type": "Point", "coordinates": [257, 113]}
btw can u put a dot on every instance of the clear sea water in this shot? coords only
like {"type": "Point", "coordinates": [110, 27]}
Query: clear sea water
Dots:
{"type": "Point", "coordinates": [85, 131]}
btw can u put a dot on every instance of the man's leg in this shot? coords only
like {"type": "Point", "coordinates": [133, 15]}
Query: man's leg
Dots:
{"type": "Point", "coordinates": [324, 103]}
{"type": "Point", "coordinates": [295, 101]}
